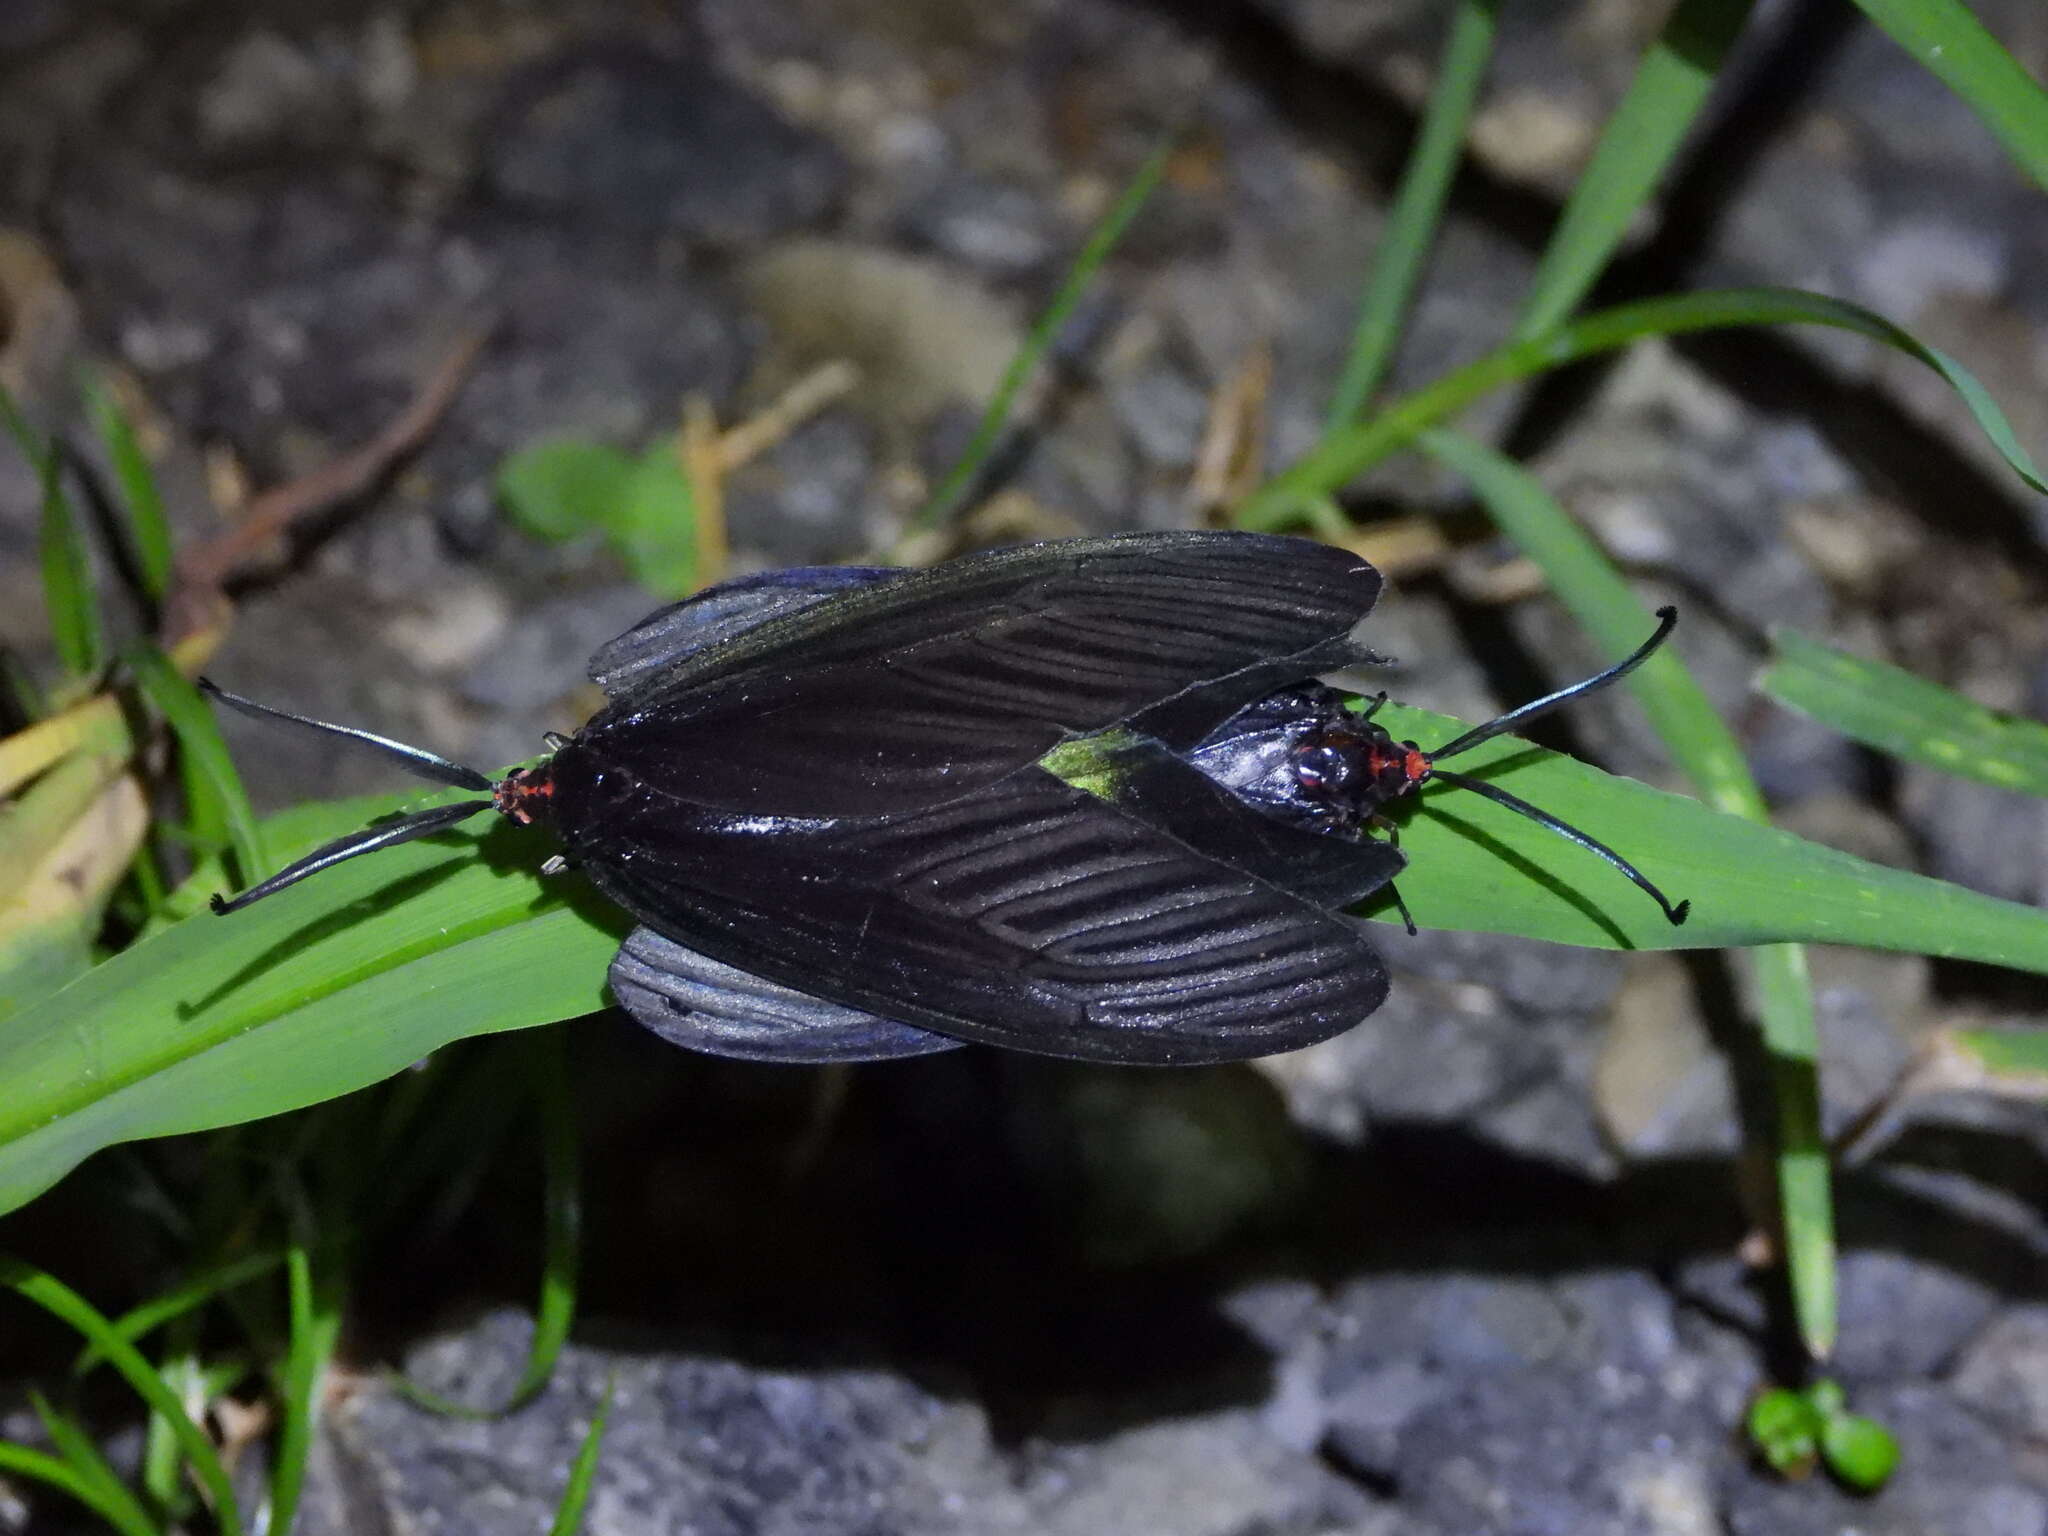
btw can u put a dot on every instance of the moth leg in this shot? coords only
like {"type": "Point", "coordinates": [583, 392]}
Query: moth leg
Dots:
{"type": "Point", "coordinates": [1400, 906]}
{"type": "Point", "coordinates": [706, 1005]}
{"type": "Point", "coordinates": [1385, 825]}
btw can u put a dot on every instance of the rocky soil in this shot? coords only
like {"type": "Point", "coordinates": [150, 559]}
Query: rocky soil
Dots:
{"type": "Point", "coordinates": [1475, 1267]}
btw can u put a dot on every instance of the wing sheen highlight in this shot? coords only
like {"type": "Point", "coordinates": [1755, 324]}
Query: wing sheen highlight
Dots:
{"type": "Point", "coordinates": [909, 690]}
{"type": "Point", "coordinates": [1027, 914]}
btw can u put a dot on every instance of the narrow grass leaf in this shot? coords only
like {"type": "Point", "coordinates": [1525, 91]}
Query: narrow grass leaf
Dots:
{"type": "Point", "coordinates": [1478, 867]}
{"type": "Point", "coordinates": [163, 1470]}
{"type": "Point", "coordinates": [2013, 1053]}
{"type": "Point", "coordinates": [954, 489]}
{"type": "Point", "coordinates": [548, 1074]}
{"type": "Point", "coordinates": [1603, 602]}
{"type": "Point", "coordinates": [1342, 456]}
{"type": "Point", "coordinates": [457, 1149]}
{"type": "Point", "coordinates": [61, 1301]}
{"type": "Point", "coordinates": [1909, 717]}
{"type": "Point", "coordinates": [324, 988]}
{"type": "Point", "coordinates": [96, 725]}
{"type": "Point", "coordinates": [32, 826]}
{"type": "Point", "coordinates": [76, 1446]}
{"type": "Point", "coordinates": [1950, 42]}
{"type": "Point", "coordinates": [148, 530]}
{"type": "Point", "coordinates": [141, 1321]}
{"type": "Point", "coordinates": [220, 806]}
{"type": "Point", "coordinates": [1636, 147]}
{"type": "Point", "coordinates": [583, 1471]}
{"type": "Point", "coordinates": [1418, 208]}
{"type": "Point", "coordinates": [1782, 990]}
{"type": "Point", "coordinates": [68, 596]}
{"type": "Point", "coordinates": [315, 1323]}
{"type": "Point", "coordinates": [19, 689]}
{"type": "Point", "coordinates": [126, 1517]}
{"type": "Point", "coordinates": [352, 977]}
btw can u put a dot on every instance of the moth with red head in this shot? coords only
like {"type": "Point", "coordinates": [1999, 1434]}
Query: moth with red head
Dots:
{"type": "Point", "coordinates": [1080, 798]}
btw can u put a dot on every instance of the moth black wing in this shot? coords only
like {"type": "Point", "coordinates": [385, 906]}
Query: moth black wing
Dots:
{"type": "Point", "coordinates": [717, 614]}
{"type": "Point", "coordinates": [1028, 914]}
{"type": "Point", "coordinates": [1162, 789]}
{"type": "Point", "coordinates": [909, 690]}
{"type": "Point", "coordinates": [705, 1005]}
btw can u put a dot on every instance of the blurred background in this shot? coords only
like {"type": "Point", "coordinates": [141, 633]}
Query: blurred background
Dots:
{"type": "Point", "coordinates": [1474, 1266]}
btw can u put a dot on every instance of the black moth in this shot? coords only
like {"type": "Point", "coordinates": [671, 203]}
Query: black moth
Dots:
{"type": "Point", "coordinates": [1080, 798]}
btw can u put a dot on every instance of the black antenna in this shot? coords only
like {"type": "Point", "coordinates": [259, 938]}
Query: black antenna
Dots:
{"type": "Point", "coordinates": [369, 840]}
{"type": "Point", "coordinates": [417, 761]}
{"type": "Point", "coordinates": [1502, 724]}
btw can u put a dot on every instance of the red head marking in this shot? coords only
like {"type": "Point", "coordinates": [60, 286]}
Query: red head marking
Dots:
{"type": "Point", "coordinates": [1416, 766]}
{"type": "Point", "coordinates": [524, 796]}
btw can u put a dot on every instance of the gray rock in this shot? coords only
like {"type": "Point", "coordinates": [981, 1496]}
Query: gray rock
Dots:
{"type": "Point", "coordinates": [623, 137]}
{"type": "Point", "coordinates": [1213, 1475]}
{"type": "Point", "coordinates": [1164, 414]}
{"type": "Point", "coordinates": [812, 498]}
{"type": "Point", "coordinates": [543, 656]}
{"type": "Point", "coordinates": [270, 87]}
{"type": "Point", "coordinates": [1905, 1317]}
{"type": "Point", "coordinates": [1992, 840]}
{"type": "Point", "coordinates": [1530, 1453]}
{"type": "Point", "coordinates": [2003, 1372]}
{"type": "Point", "coordinates": [701, 1443]}
{"type": "Point", "coordinates": [996, 228]}
{"type": "Point", "coordinates": [1160, 1165]}
{"type": "Point", "coordinates": [696, 1443]}
{"type": "Point", "coordinates": [1528, 974]}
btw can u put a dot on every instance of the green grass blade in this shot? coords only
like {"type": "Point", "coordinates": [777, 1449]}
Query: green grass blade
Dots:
{"type": "Point", "coordinates": [76, 1446]}
{"type": "Point", "coordinates": [1342, 456]}
{"type": "Point", "coordinates": [456, 1150]}
{"type": "Point", "coordinates": [583, 1471]}
{"type": "Point", "coordinates": [1589, 586]}
{"type": "Point", "coordinates": [315, 1323]}
{"type": "Point", "coordinates": [1586, 582]}
{"type": "Point", "coordinates": [1784, 1005]}
{"type": "Point", "coordinates": [149, 531]}
{"type": "Point", "coordinates": [1635, 149]}
{"type": "Point", "coordinates": [959, 480]}
{"type": "Point", "coordinates": [184, 1375]}
{"type": "Point", "coordinates": [1418, 208]}
{"type": "Point", "coordinates": [548, 1071]}
{"type": "Point", "coordinates": [68, 594]}
{"type": "Point", "coordinates": [2006, 1052]}
{"type": "Point", "coordinates": [60, 1300]}
{"type": "Point", "coordinates": [325, 988]}
{"type": "Point", "coordinates": [354, 976]}
{"type": "Point", "coordinates": [32, 826]}
{"type": "Point", "coordinates": [1909, 717]}
{"type": "Point", "coordinates": [1478, 867]}
{"type": "Point", "coordinates": [141, 1321]}
{"type": "Point", "coordinates": [1945, 38]}
{"type": "Point", "coordinates": [19, 687]}
{"type": "Point", "coordinates": [124, 1515]}
{"type": "Point", "coordinates": [220, 806]}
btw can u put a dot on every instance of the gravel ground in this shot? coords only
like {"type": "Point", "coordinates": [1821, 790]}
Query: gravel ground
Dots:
{"type": "Point", "coordinates": [1474, 1267]}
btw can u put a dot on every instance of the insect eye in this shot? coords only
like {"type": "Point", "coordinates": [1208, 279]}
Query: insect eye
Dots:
{"type": "Point", "coordinates": [1322, 767]}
